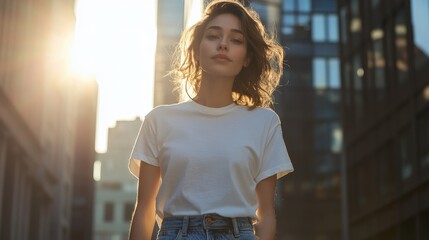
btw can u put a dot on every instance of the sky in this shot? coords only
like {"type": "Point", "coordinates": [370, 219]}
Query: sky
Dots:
{"type": "Point", "coordinates": [115, 42]}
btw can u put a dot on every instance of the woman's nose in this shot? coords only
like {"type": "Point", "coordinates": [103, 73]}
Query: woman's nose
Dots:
{"type": "Point", "coordinates": [223, 44]}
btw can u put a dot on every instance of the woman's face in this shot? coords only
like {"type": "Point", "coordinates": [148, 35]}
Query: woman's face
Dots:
{"type": "Point", "coordinates": [223, 48]}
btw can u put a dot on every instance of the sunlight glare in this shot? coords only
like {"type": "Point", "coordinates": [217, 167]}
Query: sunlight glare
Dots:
{"type": "Point", "coordinates": [115, 42]}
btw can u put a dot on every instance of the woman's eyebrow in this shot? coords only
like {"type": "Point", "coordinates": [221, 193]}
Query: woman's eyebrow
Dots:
{"type": "Point", "coordinates": [219, 28]}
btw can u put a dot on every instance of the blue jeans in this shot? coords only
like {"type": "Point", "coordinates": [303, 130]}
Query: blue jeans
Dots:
{"type": "Point", "coordinates": [208, 226]}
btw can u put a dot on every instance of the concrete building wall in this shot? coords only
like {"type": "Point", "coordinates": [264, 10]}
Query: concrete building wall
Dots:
{"type": "Point", "coordinates": [116, 189]}
{"type": "Point", "coordinates": [38, 112]}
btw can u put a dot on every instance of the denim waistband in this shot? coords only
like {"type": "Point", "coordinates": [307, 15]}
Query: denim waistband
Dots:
{"type": "Point", "coordinates": [207, 222]}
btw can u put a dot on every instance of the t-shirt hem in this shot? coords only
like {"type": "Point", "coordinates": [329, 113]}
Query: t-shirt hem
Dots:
{"type": "Point", "coordinates": [280, 171]}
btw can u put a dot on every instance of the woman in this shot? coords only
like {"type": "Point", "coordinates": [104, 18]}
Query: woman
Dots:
{"type": "Point", "coordinates": [208, 166]}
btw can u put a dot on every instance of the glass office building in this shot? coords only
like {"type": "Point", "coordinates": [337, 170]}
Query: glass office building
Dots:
{"type": "Point", "coordinates": [385, 68]}
{"type": "Point", "coordinates": [308, 103]}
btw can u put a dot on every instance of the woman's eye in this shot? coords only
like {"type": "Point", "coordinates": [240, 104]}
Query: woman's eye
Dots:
{"type": "Point", "coordinates": [212, 37]}
{"type": "Point", "coordinates": [237, 40]}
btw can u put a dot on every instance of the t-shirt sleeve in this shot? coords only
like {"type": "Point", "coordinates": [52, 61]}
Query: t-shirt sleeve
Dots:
{"type": "Point", "coordinates": [275, 159]}
{"type": "Point", "coordinates": [145, 147]}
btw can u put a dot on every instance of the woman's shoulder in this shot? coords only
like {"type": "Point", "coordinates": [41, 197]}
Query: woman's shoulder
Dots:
{"type": "Point", "coordinates": [166, 109]}
{"type": "Point", "coordinates": [263, 112]}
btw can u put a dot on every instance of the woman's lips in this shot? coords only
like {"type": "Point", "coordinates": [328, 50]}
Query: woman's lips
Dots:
{"type": "Point", "coordinates": [221, 57]}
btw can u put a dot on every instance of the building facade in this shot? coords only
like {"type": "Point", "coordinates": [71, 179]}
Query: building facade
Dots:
{"type": "Point", "coordinates": [172, 18]}
{"type": "Point", "coordinates": [38, 110]}
{"type": "Point", "coordinates": [308, 103]}
{"type": "Point", "coordinates": [83, 182]}
{"type": "Point", "coordinates": [385, 67]}
{"type": "Point", "coordinates": [116, 188]}
{"type": "Point", "coordinates": [170, 24]}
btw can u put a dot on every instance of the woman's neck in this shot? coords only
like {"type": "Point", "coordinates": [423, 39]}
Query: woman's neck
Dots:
{"type": "Point", "coordinates": [215, 92]}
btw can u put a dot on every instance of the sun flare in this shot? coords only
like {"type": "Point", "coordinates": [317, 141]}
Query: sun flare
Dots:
{"type": "Point", "coordinates": [115, 42]}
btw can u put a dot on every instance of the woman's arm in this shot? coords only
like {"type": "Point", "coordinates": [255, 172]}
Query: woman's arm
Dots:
{"type": "Point", "coordinates": [143, 219]}
{"type": "Point", "coordinates": [266, 227]}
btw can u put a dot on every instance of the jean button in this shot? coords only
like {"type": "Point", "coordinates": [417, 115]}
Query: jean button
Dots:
{"type": "Point", "coordinates": [209, 220]}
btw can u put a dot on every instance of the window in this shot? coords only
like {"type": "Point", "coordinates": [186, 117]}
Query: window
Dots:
{"type": "Point", "coordinates": [328, 136]}
{"type": "Point", "coordinates": [355, 22]}
{"type": "Point", "coordinates": [289, 5]}
{"type": "Point", "coordinates": [319, 28]}
{"type": "Point", "coordinates": [108, 211]}
{"type": "Point", "coordinates": [420, 21]}
{"type": "Point", "coordinates": [128, 211]}
{"type": "Point", "coordinates": [401, 47]}
{"type": "Point", "coordinates": [405, 154]}
{"type": "Point", "coordinates": [379, 62]}
{"type": "Point", "coordinates": [304, 5]}
{"type": "Point", "coordinates": [327, 104]}
{"type": "Point", "coordinates": [296, 19]}
{"type": "Point", "coordinates": [325, 28]}
{"type": "Point", "coordinates": [358, 74]}
{"type": "Point", "coordinates": [320, 74]}
{"type": "Point", "coordinates": [326, 73]}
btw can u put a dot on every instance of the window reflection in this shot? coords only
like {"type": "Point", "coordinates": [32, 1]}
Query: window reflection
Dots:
{"type": "Point", "coordinates": [304, 5]}
{"type": "Point", "coordinates": [377, 36]}
{"type": "Point", "coordinates": [334, 73]}
{"type": "Point", "coordinates": [357, 85]}
{"type": "Point", "coordinates": [288, 5]}
{"type": "Point", "coordinates": [405, 151]}
{"type": "Point", "coordinates": [401, 47]}
{"type": "Point", "coordinates": [319, 73]}
{"type": "Point", "coordinates": [326, 73]}
{"type": "Point", "coordinates": [325, 28]}
{"type": "Point", "coordinates": [355, 22]}
{"type": "Point", "coordinates": [328, 136]}
{"type": "Point", "coordinates": [332, 28]}
{"type": "Point", "coordinates": [318, 28]}
{"type": "Point", "coordinates": [420, 21]}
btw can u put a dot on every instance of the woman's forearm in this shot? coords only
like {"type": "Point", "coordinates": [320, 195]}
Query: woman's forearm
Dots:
{"type": "Point", "coordinates": [142, 224]}
{"type": "Point", "coordinates": [266, 228]}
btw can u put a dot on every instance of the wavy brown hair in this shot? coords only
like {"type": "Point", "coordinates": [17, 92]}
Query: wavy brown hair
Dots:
{"type": "Point", "coordinates": [255, 84]}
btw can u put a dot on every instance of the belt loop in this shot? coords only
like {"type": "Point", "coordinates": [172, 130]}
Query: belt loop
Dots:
{"type": "Point", "coordinates": [235, 228]}
{"type": "Point", "coordinates": [185, 226]}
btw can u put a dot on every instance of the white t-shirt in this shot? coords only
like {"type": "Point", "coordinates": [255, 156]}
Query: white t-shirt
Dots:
{"type": "Point", "coordinates": [210, 158]}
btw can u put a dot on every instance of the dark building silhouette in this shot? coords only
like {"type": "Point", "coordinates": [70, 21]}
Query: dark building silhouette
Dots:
{"type": "Point", "coordinates": [385, 90]}
{"type": "Point", "coordinates": [83, 182]}
{"type": "Point", "coordinates": [308, 103]}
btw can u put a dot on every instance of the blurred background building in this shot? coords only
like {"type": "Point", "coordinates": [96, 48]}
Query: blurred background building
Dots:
{"type": "Point", "coordinates": [172, 18]}
{"type": "Point", "coordinates": [385, 68]}
{"type": "Point", "coordinates": [40, 122]}
{"type": "Point", "coordinates": [170, 24]}
{"type": "Point", "coordinates": [308, 103]}
{"type": "Point", "coordinates": [116, 188]}
{"type": "Point", "coordinates": [83, 181]}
